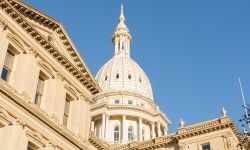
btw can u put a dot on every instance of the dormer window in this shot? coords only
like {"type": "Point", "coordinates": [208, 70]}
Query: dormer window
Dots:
{"type": "Point", "coordinates": [122, 45]}
{"type": "Point", "coordinates": [117, 76]}
{"type": "Point", "coordinates": [130, 102]}
{"type": "Point", "coordinates": [129, 76]}
{"type": "Point", "coordinates": [117, 101]}
{"type": "Point", "coordinates": [142, 105]}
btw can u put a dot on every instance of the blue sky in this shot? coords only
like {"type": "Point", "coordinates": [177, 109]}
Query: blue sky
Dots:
{"type": "Point", "coordinates": [192, 51]}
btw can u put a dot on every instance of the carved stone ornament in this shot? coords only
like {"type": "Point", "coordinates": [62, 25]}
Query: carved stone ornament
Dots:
{"type": "Point", "coordinates": [4, 114]}
{"type": "Point", "coordinates": [2, 25]}
{"type": "Point", "coordinates": [37, 136]}
{"type": "Point", "coordinates": [230, 142]}
{"type": "Point", "coordinates": [19, 122]}
{"type": "Point", "coordinates": [32, 52]}
{"type": "Point", "coordinates": [59, 76]}
{"type": "Point", "coordinates": [181, 146]}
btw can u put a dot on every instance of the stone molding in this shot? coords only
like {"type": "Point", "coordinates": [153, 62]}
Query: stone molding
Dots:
{"type": "Point", "coordinates": [78, 70]}
{"type": "Point", "coordinates": [37, 113]}
{"type": "Point", "coordinates": [128, 107]}
{"type": "Point", "coordinates": [191, 131]}
{"type": "Point", "coordinates": [128, 93]}
{"type": "Point", "coordinates": [4, 115]}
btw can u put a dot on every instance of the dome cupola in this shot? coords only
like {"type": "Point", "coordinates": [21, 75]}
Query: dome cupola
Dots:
{"type": "Point", "coordinates": [121, 73]}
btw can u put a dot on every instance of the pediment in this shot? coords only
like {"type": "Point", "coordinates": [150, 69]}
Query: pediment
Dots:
{"type": "Point", "coordinates": [38, 25]}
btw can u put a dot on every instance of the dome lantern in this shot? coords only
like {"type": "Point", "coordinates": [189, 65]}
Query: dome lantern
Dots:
{"type": "Point", "coordinates": [122, 38]}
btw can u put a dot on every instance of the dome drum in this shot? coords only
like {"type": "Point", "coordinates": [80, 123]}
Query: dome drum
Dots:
{"type": "Point", "coordinates": [124, 110]}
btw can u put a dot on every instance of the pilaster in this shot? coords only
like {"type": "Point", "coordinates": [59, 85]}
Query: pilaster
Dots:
{"type": "Point", "coordinates": [25, 75]}
{"type": "Point", "coordinates": [107, 134]}
{"type": "Point", "coordinates": [124, 129]}
{"type": "Point", "coordinates": [103, 126]}
{"type": "Point", "coordinates": [53, 101]}
{"type": "Point", "coordinates": [140, 129]}
{"type": "Point", "coordinates": [13, 137]}
{"type": "Point", "coordinates": [153, 130]}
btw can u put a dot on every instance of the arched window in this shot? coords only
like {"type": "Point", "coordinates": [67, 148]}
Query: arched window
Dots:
{"type": "Point", "coordinates": [106, 78]}
{"type": "Point", "coordinates": [130, 134]}
{"type": "Point", "coordinates": [122, 45]}
{"type": "Point", "coordinates": [143, 135]}
{"type": "Point", "coordinates": [129, 76]}
{"type": "Point", "coordinates": [116, 134]}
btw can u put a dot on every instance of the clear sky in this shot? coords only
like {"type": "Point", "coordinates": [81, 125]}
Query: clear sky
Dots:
{"type": "Point", "coordinates": [192, 51]}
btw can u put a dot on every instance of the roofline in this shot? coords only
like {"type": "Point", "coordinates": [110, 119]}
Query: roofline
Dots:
{"type": "Point", "coordinates": [56, 26]}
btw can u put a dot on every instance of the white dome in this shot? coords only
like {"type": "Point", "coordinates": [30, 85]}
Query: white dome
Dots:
{"type": "Point", "coordinates": [124, 74]}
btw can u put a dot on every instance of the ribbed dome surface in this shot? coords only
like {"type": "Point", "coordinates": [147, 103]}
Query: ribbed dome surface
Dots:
{"type": "Point", "coordinates": [124, 74]}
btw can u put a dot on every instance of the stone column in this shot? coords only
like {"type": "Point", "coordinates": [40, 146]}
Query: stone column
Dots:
{"type": "Point", "coordinates": [103, 126]}
{"type": "Point", "coordinates": [140, 129]}
{"type": "Point", "coordinates": [107, 128]}
{"type": "Point", "coordinates": [158, 129]}
{"type": "Point", "coordinates": [153, 130]}
{"type": "Point", "coordinates": [124, 129]}
{"type": "Point", "coordinates": [166, 131]}
{"type": "Point", "coordinates": [13, 138]}
{"type": "Point", "coordinates": [92, 126]}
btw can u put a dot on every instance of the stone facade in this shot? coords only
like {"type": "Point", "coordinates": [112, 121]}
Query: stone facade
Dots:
{"type": "Point", "coordinates": [49, 99]}
{"type": "Point", "coordinates": [45, 86]}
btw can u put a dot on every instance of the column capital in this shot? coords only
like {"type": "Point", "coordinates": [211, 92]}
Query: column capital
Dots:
{"type": "Point", "coordinates": [140, 118]}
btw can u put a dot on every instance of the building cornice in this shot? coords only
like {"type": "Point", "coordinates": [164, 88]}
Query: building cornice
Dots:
{"type": "Point", "coordinates": [79, 71]}
{"type": "Point", "coordinates": [98, 143]}
{"type": "Point", "coordinates": [128, 93]}
{"type": "Point", "coordinates": [110, 107]}
{"type": "Point", "coordinates": [182, 133]}
{"type": "Point", "coordinates": [38, 114]}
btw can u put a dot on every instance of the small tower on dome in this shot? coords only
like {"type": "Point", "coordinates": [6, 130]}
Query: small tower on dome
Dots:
{"type": "Point", "coordinates": [121, 38]}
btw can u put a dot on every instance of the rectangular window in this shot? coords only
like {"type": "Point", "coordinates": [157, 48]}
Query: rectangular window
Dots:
{"type": "Point", "coordinates": [66, 110]}
{"type": "Point", "coordinates": [206, 147]}
{"type": "Point", "coordinates": [117, 101]}
{"type": "Point", "coordinates": [39, 89]}
{"type": "Point", "coordinates": [7, 67]}
{"type": "Point", "coordinates": [116, 134]}
{"type": "Point", "coordinates": [130, 102]}
{"type": "Point", "coordinates": [130, 134]}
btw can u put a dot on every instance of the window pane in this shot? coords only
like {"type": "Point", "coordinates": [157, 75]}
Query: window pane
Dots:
{"type": "Point", "coordinates": [130, 133]}
{"type": "Point", "coordinates": [9, 59]}
{"type": "Point", "coordinates": [5, 73]}
{"type": "Point", "coordinates": [206, 147]}
{"type": "Point", "coordinates": [67, 107]}
{"type": "Point", "coordinates": [40, 85]}
{"type": "Point", "coordinates": [38, 98]}
{"type": "Point", "coordinates": [116, 134]}
{"type": "Point", "coordinates": [66, 111]}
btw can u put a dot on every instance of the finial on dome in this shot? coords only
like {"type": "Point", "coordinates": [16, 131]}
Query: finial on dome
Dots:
{"type": "Point", "coordinates": [122, 18]}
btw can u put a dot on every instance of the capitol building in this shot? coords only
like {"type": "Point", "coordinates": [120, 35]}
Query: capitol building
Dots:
{"type": "Point", "coordinates": [49, 99]}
